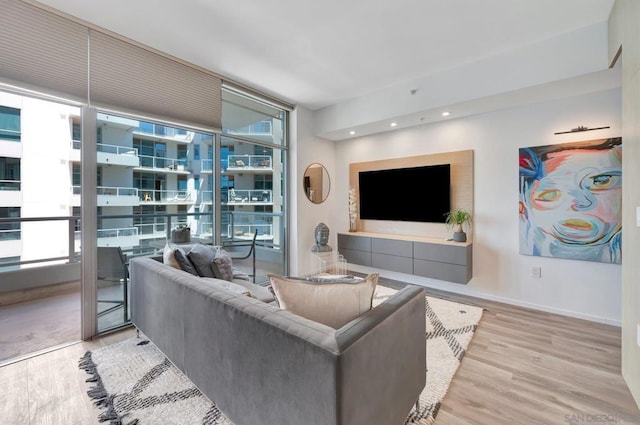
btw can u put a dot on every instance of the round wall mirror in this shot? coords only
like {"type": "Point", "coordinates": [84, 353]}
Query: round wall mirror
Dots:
{"type": "Point", "coordinates": [316, 183]}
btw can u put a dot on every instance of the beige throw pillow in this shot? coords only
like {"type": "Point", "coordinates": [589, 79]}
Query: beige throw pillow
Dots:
{"type": "Point", "coordinates": [333, 304]}
{"type": "Point", "coordinates": [168, 256]}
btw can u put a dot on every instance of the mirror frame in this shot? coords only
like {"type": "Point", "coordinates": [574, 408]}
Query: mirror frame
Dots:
{"type": "Point", "coordinates": [314, 196]}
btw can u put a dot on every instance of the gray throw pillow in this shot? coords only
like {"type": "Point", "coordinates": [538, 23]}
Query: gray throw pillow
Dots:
{"type": "Point", "coordinates": [184, 262]}
{"type": "Point", "coordinates": [201, 256]}
{"type": "Point", "coordinates": [222, 265]}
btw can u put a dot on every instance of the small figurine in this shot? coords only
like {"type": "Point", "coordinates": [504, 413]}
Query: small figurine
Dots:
{"type": "Point", "coordinates": [322, 237]}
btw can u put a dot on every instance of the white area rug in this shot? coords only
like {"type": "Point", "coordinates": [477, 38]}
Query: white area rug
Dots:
{"type": "Point", "coordinates": [135, 384]}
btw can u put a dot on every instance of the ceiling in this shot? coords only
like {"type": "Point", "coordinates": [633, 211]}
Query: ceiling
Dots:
{"type": "Point", "coordinates": [322, 53]}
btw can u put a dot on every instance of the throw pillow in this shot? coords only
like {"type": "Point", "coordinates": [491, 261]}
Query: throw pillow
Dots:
{"type": "Point", "coordinates": [333, 304]}
{"type": "Point", "coordinates": [229, 286]}
{"type": "Point", "coordinates": [222, 265]}
{"type": "Point", "coordinates": [184, 262]}
{"type": "Point", "coordinates": [168, 256]}
{"type": "Point", "coordinates": [201, 256]}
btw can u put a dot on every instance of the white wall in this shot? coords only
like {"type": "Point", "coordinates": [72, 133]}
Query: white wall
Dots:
{"type": "Point", "coordinates": [305, 215]}
{"type": "Point", "coordinates": [577, 288]}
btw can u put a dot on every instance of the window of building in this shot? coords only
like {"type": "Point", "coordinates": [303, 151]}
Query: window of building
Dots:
{"type": "Point", "coordinates": [196, 182]}
{"type": "Point", "coordinates": [10, 230]}
{"type": "Point", "coordinates": [6, 260]}
{"type": "Point", "coordinates": [76, 212]}
{"type": "Point", "coordinates": [75, 175]}
{"type": "Point", "coordinates": [76, 133]}
{"type": "Point", "coordinates": [10, 124]}
{"type": "Point", "coordinates": [196, 152]}
{"type": "Point", "coordinates": [182, 183]}
{"type": "Point", "coordinates": [9, 173]}
{"type": "Point", "coordinates": [182, 152]}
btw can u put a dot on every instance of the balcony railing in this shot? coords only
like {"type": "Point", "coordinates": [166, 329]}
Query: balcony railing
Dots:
{"type": "Point", "coordinates": [116, 191]}
{"type": "Point", "coordinates": [244, 162]}
{"type": "Point", "coordinates": [237, 196]}
{"type": "Point", "coordinates": [163, 163]}
{"type": "Point", "coordinates": [234, 225]}
{"type": "Point", "coordinates": [22, 223]}
{"type": "Point", "coordinates": [10, 185]}
{"type": "Point", "coordinates": [164, 131]}
{"type": "Point", "coordinates": [262, 128]}
{"type": "Point", "coordinates": [118, 233]}
{"type": "Point", "coordinates": [165, 196]}
{"type": "Point", "coordinates": [206, 165]}
{"type": "Point", "coordinates": [117, 150]}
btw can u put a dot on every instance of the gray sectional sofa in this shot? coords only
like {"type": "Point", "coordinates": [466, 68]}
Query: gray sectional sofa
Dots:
{"type": "Point", "coordinates": [265, 366]}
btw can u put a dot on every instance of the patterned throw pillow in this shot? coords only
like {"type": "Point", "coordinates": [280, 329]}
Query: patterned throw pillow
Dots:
{"type": "Point", "coordinates": [222, 265]}
{"type": "Point", "coordinates": [184, 262]}
{"type": "Point", "coordinates": [334, 304]}
{"type": "Point", "coordinates": [201, 256]}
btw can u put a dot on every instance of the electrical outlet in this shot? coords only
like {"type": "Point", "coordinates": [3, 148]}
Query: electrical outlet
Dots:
{"type": "Point", "coordinates": [536, 272]}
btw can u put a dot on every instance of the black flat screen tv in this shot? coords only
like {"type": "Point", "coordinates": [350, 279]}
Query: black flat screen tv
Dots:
{"type": "Point", "coordinates": [420, 194]}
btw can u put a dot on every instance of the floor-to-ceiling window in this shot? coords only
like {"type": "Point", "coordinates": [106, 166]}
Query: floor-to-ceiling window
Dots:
{"type": "Point", "coordinates": [39, 226]}
{"type": "Point", "coordinates": [253, 150]}
{"type": "Point", "coordinates": [149, 183]}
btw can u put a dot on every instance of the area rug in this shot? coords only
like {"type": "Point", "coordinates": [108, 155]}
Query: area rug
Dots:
{"type": "Point", "coordinates": [134, 384]}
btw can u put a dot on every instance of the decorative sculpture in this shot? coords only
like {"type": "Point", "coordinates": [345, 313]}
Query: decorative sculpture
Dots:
{"type": "Point", "coordinates": [322, 237]}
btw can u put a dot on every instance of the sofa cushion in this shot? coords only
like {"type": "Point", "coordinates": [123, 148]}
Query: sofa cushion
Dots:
{"type": "Point", "coordinates": [333, 304]}
{"type": "Point", "coordinates": [184, 262]}
{"type": "Point", "coordinates": [201, 256]}
{"type": "Point", "coordinates": [222, 265]}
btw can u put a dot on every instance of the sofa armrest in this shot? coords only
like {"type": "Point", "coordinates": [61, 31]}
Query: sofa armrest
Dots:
{"type": "Point", "coordinates": [383, 361]}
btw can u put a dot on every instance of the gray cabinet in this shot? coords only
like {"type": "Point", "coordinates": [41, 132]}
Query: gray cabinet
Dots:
{"type": "Point", "coordinates": [432, 259]}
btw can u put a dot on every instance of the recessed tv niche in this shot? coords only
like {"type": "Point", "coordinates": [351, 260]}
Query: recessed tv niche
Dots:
{"type": "Point", "coordinates": [419, 194]}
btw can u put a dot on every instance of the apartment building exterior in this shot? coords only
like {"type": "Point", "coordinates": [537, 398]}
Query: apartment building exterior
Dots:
{"type": "Point", "coordinates": [151, 178]}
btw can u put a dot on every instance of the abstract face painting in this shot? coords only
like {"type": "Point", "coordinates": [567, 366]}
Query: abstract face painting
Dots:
{"type": "Point", "coordinates": [570, 200]}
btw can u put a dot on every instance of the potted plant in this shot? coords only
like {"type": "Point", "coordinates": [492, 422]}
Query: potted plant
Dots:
{"type": "Point", "coordinates": [181, 234]}
{"type": "Point", "coordinates": [456, 219]}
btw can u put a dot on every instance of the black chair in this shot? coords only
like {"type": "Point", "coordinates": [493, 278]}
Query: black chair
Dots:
{"type": "Point", "coordinates": [113, 268]}
{"type": "Point", "coordinates": [251, 253]}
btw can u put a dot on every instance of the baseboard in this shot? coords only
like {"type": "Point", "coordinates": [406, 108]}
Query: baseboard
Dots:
{"type": "Point", "coordinates": [466, 290]}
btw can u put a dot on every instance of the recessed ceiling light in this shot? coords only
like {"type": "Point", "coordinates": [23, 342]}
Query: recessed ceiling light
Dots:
{"type": "Point", "coordinates": [352, 132]}
{"type": "Point", "coordinates": [393, 124]}
{"type": "Point", "coordinates": [446, 113]}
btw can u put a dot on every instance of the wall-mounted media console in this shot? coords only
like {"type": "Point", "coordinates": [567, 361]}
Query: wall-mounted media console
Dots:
{"type": "Point", "coordinates": [427, 257]}
{"type": "Point", "coordinates": [411, 195]}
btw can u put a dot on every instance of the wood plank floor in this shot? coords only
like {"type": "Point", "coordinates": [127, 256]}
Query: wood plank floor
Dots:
{"type": "Point", "coordinates": [522, 367]}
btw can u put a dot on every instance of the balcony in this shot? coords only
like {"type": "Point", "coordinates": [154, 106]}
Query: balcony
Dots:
{"type": "Point", "coordinates": [117, 155]}
{"type": "Point", "coordinates": [125, 237]}
{"type": "Point", "coordinates": [163, 164]}
{"type": "Point", "coordinates": [261, 128]}
{"type": "Point", "coordinates": [164, 132]}
{"type": "Point", "coordinates": [117, 196]}
{"type": "Point", "coordinates": [244, 163]}
{"type": "Point", "coordinates": [247, 197]}
{"type": "Point", "coordinates": [165, 197]}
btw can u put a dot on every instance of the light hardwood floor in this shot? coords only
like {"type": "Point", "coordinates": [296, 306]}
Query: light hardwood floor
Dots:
{"type": "Point", "coordinates": [522, 367]}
